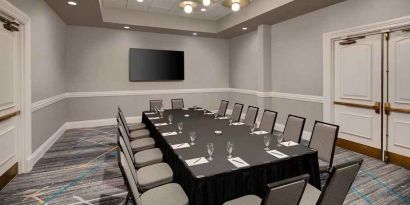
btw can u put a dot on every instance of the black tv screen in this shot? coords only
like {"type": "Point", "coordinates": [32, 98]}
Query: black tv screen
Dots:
{"type": "Point", "coordinates": [156, 65]}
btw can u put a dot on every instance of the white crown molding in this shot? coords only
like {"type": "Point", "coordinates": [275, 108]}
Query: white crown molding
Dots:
{"type": "Point", "coordinates": [49, 101]}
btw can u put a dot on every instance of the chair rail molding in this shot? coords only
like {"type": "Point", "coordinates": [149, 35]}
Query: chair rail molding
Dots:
{"type": "Point", "coordinates": [328, 58]}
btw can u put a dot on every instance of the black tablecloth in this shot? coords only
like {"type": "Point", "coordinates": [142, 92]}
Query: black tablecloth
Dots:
{"type": "Point", "coordinates": [218, 181]}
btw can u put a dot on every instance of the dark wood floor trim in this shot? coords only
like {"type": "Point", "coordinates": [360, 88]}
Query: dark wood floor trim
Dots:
{"type": "Point", "coordinates": [399, 160]}
{"type": "Point", "coordinates": [360, 148]}
{"type": "Point", "coordinates": [8, 176]}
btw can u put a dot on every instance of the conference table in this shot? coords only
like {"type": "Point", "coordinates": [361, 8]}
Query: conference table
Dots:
{"type": "Point", "coordinates": [212, 182]}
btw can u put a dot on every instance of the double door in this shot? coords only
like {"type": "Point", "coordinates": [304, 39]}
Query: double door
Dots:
{"type": "Point", "coordinates": [372, 92]}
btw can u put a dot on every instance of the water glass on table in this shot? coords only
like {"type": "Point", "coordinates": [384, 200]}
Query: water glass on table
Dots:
{"type": "Point", "coordinates": [230, 120]}
{"type": "Point", "coordinates": [180, 126]}
{"type": "Point", "coordinates": [170, 119]}
{"type": "Point", "coordinates": [229, 149]}
{"type": "Point", "coordinates": [266, 140]}
{"type": "Point", "coordinates": [280, 139]}
{"type": "Point", "coordinates": [192, 137]}
{"type": "Point", "coordinates": [252, 128]}
{"type": "Point", "coordinates": [210, 148]}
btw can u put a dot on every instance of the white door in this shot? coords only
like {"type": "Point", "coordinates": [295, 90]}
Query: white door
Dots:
{"type": "Point", "coordinates": [357, 78]}
{"type": "Point", "coordinates": [398, 123]}
{"type": "Point", "coordinates": [9, 105]}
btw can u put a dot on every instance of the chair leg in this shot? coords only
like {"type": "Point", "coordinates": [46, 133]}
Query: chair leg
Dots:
{"type": "Point", "coordinates": [127, 199]}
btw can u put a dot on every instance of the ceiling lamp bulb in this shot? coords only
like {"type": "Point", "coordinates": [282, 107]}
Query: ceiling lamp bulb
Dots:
{"type": "Point", "coordinates": [206, 2]}
{"type": "Point", "coordinates": [188, 9]}
{"type": "Point", "coordinates": [140, 1]}
{"type": "Point", "coordinates": [236, 6]}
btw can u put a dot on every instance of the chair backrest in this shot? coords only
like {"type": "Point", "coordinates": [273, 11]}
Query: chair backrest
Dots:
{"type": "Point", "coordinates": [124, 136]}
{"type": "Point", "coordinates": [251, 115]}
{"type": "Point", "coordinates": [123, 120]}
{"type": "Point", "coordinates": [286, 192]}
{"type": "Point", "coordinates": [222, 107]}
{"type": "Point", "coordinates": [129, 178]}
{"type": "Point", "coordinates": [268, 121]}
{"type": "Point", "coordinates": [155, 104]}
{"type": "Point", "coordinates": [294, 128]}
{"type": "Point", "coordinates": [177, 103]}
{"type": "Point", "coordinates": [323, 139]}
{"type": "Point", "coordinates": [339, 182]}
{"type": "Point", "coordinates": [237, 112]}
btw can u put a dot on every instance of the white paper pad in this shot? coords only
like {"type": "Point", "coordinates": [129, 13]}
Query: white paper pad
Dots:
{"type": "Point", "coordinates": [289, 143]}
{"type": "Point", "coordinates": [196, 161]}
{"type": "Point", "coordinates": [153, 118]}
{"type": "Point", "coordinates": [160, 124]}
{"type": "Point", "coordinates": [169, 133]}
{"type": "Point", "coordinates": [238, 162]}
{"type": "Point", "coordinates": [209, 113]}
{"type": "Point", "coordinates": [277, 154]}
{"type": "Point", "coordinates": [261, 132]}
{"type": "Point", "coordinates": [200, 109]}
{"type": "Point", "coordinates": [223, 118]}
{"type": "Point", "coordinates": [185, 108]}
{"type": "Point", "coordinates": [180, 146]}
{"type": "Point", "coordinates": [150, 113]}
{"type": "Point", "coordinates": [186, 115]}
{"type": "Point", "coordinates": [238, 123]}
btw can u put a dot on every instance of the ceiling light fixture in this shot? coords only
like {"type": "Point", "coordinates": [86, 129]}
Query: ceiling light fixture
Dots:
{"type": "Point", "coordinates": [126, 27]}
{"type": "Point", "coordinates": [72, 3]}
{"type": "Point", "coordinates": [206, 2]}
{"type": "Point", "coordinates": [203, 9]}
{"type": "Point", "coordinates": [244, 28]}
{"type": "Point", "coordinates": [194, 34]}
{"type": "Point", "coordinates": [236, 5]}
{"type": "Point", "coordinates": [140, 1]}
{"type": "Point", "coordinates": [188, 5]}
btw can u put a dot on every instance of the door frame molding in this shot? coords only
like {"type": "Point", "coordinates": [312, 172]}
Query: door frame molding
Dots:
{"type": "Point", "coordinates": [328, 55]}
{"type": "Point", "coordinates": [24, 84]}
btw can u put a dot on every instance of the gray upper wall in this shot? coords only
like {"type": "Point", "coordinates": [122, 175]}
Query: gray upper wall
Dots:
{"type": "Point", "coordinates": [48, 37]}
{"type": "Point", "coordinates": [243, 51]}
{"type": "Point", "coordinates": [97, 60]}
{"type": "Point", "coordinates": [297, 44]}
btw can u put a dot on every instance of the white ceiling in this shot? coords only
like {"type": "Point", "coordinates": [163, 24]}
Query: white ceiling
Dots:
{"type": "Point", "coordinates": [214, 12]}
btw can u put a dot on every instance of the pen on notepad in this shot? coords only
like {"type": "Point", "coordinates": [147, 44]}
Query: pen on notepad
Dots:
{"type": "Point", "coordinates": [237, 161]}
{"type": "Point", "coordinates": [197, 160]}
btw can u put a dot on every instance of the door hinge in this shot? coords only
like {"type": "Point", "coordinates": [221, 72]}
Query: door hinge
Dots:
{"type": "Point", "coordinates": [387, 36]}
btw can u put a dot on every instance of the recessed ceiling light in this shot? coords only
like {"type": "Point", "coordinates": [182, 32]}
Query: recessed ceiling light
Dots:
{"type": "Point", "coordinates": [140, 1]}
{"type": "Point", "coordinates": [244, 28]}
{"type": "Point", "coordinates": [203, 9]}
{"type": "Point", "coordinates": [126, 27]}
{"type": "Point", "coordinates": [188, 9]}
{"type": "Point", "coordinates": [72, 3]}
{"type": "Point", "coordinates": [236, 6]}
{"type": "Point", "coordinates": [194, 34]}
{"type": "Point", "coordinates": [206, 2]}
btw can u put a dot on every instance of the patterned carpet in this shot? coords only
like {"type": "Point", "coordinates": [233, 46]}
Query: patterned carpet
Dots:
{"type": "Point", "coordinates": [81, 168]}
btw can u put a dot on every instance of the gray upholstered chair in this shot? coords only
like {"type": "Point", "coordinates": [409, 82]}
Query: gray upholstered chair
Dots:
{"type": "Point", "coordinates": [222, 108]}
{"type": "Point", "coordinates": [323, 139]}
{"type": "Point", "coordinates": [177, 103]}
{"type": "Point", "coordinates": [268, 121]}
{"type": "Point", "coordinates": [149, 176]}
{"type": "Point", "coordinates": [285, 192]}
{"type": "Point", "coordinates": [237, 112]}
{"type": "Point", "coordinates": [337, 186]}
{"type": "Point", "coordinates": [137, 144]}
{"type": "Point", "coordinates": [155, 104]}
{"type": "Point", "coordinates": [138, 131]}
{"type": "Point", "coordinates": [294, 128]}
{"type": "Point", "coordinates": [171, 193]}
{"type": "Point", "coordinates": [251, 115]}
{"type": "Point", "coordinates": [144, 157]}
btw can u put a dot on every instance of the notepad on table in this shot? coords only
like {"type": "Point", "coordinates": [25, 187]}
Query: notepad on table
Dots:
{"type": "Point", "coordinates": [185, 108]}
{"type": "Point", "coordinates": [180, 146]}
{"type": "Point", "coordinates": [238, 162]}
{"type": "Point", "coordinates": [169, 133]}
{"type": "Point", "coordinates": [238, 123]}
{"type": "Point", "coordinates": [277, 154]}
{"type": "Point", "coordinates": [150, 113]}
{"type": "Point", "coordinates": [153, 118]}
{"type": "Point", "coordinates": [223, 118]}
{"type": "Point", "coordinates": [160, 124]}
{"type": "Point", "coordinates": [196, 161]}
{"type": "Point", "coordinates": [289, 143]}
{"type": "Point", "coordinates": [261, 132]}
{"type": "Point", "coordinates": [209, 113]}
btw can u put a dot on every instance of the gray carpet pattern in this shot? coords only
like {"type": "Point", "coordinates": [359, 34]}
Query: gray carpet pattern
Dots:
{"type": "Point", "coordinates": [81, 169]}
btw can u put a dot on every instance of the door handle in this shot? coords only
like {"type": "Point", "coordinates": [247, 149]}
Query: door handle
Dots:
{"type": "Point", "coordinates": [376, 107]}
{"type": "Point", "coordinates": [388, 109]}
{"type": "Point", "coordinates": [10, 115]}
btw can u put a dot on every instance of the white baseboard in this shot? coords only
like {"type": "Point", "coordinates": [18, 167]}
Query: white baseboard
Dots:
{"type": "Point", "coordinates": [40, 151]}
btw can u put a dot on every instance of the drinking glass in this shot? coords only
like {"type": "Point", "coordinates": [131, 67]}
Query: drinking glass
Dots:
{"type": "Point", "coordinates": [266, 140]}
{"type": "Point", "coordinates": [280, 138]}
{"type": "Point", "coordinates": [180, 126]}
{"type": "Point", "coordinates": [192, 136]}
{"type": "Point", "coordinates": [204, 111]}
{"type": "Point", "coordinates": [253, 127]}
{"type": "Point", "coordinates": [229, 148]}
{"type": "Point", "coordinates": [161, 113]}
{"type": "Point", "coordinates": [195, 107]}
{"type": "Point", "coordinates": [170, 119]}
{"type": "Point", "coordinates": [210, 147]}
{"type": "Point", "coordinates": [230, 120]}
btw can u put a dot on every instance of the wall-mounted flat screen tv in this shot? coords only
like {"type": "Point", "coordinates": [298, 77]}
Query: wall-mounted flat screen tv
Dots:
{"type": "Point", "coordinates": [156, 65]}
